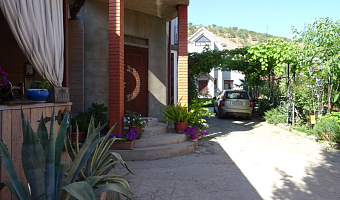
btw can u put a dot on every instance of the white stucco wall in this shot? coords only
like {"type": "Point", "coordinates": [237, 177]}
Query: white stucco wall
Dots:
{"type": "Point", "coordinates": [221, 76]}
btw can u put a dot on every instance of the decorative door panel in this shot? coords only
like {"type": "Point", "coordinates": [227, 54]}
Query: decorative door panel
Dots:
{"type": "Point", "coordinates": [136, 80]}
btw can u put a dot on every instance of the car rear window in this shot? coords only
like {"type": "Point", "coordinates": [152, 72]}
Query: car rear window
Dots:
{"type": "Point", "coordinates": [236, 95]}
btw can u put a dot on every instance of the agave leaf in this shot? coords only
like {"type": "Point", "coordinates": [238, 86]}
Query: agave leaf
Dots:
{"type": "Point", "coordinates": [10, 187]}
{"type": "Point", "coordinates": [103, 148]}
{"type": "Point", "coordinates": [60, 177]}
{"type": "Point", "coordinates": [121, 161]}
{"type": "Point", "coordinates": [80, 190]}
{"type": "Point", "coordinates": [33, 162]}
{"type": "Point", "coordinates": [69, 149]}
{"type": "Point", "coordinates": [94, 180]}
{"type": "Point", "coordinates": [24, 122]}
{"type": "Point", "coordinates": [87, 171]}
{"type": "Point", "coordinates": [91, 127]}
{"type": "Point", "coordinates": [10, 171]}
{"type": "Point", "coordinates": [60, 141]}
{"type": "Point", "coordinates": [50, 183]}
{"type": "Point", "coordinates": [84, 153]}
{"type": "Point", "coordinates": [110, 178]}
{"type": "Point", "coordinates": [112, 187]}
{"type": "Point", "coordinates": [42, 135]}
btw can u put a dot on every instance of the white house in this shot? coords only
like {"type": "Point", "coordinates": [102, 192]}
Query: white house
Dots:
{"type": "Point", "coordinates": [217, 80]}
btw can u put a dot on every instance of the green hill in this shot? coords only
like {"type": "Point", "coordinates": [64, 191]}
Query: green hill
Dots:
{"type": "Point", "coordinates": [234, 34]}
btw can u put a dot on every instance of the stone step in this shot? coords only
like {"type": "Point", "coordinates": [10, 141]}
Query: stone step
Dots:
{"type": "Point", "coordinates": [152, 121]}
{"type": "Point", "coordinates": [164, 151]}
{"type": "Point", "coordinates": [159, 140]}
{"type": "Point", "coordinates": [160, 128]}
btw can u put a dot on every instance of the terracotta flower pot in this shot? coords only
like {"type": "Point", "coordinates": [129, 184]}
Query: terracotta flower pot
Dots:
{"type": "Point", "coordinates": [180, 126]}
{"type": "Point", "coordinates": [128, 145]}
{"type": "Point", "coordinates": [81, 137]}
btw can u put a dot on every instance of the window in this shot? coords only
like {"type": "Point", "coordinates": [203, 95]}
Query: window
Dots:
{"type": "Point", "coordinates": [215, 83]}
{"type": "Point", "coordinates": [228, 84]}
{"type": "Point", "coordinates": [236, 95]}
{"type": "Point", "coordinates": [202, 41]}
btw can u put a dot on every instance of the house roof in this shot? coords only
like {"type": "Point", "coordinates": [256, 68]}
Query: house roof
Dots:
{"type": "Point", "coordinates": [208, 35]}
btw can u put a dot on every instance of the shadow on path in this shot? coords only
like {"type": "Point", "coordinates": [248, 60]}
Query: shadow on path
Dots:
{"type": "Point", "coordinates": [321, 181]}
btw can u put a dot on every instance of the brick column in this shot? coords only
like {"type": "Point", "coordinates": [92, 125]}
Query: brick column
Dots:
{"type": "Point", "coordinates": [183, 54]}
{"type": "Point", "coordinates": [116, 64]}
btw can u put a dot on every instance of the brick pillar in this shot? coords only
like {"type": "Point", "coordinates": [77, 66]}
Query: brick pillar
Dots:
{"type": "Point", "coordinates": [183, 54]}
{"type": "Point", "coordinates": [116, 64]}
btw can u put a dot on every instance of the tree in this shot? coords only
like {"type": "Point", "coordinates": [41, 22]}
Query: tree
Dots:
{"type": "Point", "coordinates": [322, 48]}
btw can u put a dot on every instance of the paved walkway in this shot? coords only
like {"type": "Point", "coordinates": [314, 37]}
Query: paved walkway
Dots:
{"type": "Point", "coordinates": [242, 159]}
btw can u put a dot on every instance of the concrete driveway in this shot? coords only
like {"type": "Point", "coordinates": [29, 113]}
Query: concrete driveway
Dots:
{"type": "Point", "coordinates": [242, 159]}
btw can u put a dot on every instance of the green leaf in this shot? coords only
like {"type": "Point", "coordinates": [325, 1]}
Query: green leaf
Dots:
{"type": "Point", "coordinates": [81, 190]}
{"type": "Point", "coordinates": [43, 135]}
{"type": "Point", "coordinates": [33, 162]}
{"type": "Point", "coordinates": [112, 187]}
{"type": "Point", "coordinates": [50, 177]}
{"type": "Point", "coordinates": [60, 140]}
{"type": "Point", "coordinates": [10, 171]}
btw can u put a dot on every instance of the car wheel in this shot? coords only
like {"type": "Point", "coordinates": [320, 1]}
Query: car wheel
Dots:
{"type": "Point", "coordinates": [249, 117]}
{"type": "Point", "coordinates": [219, 114]}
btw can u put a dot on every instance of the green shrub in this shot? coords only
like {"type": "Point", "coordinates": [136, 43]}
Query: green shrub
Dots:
{"type": "Point", "coordinates": [198, 111]}
{"type": "Point", "coordinates": [98, 111]}
{"type": "Point", "coordinates": [276, 115]}
{"type": "Point", "coordinates": [328, 128]}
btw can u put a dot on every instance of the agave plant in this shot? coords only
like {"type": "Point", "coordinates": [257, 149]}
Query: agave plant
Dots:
{"type": "Point", "coordinates": [100, 161]}
{"type": "Point", "coordinates": [44, 171]}
{"type": "Point", "coordinates": [41, 154]}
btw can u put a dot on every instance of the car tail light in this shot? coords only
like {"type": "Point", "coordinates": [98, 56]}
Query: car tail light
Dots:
{"type": "Point", "coordinates": [251, 103]}
{"type": "Point", "coordinates": [222, 102]}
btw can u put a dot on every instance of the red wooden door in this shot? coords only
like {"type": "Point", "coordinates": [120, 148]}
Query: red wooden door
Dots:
{"type": "Point", "coordinates": [136, 80]}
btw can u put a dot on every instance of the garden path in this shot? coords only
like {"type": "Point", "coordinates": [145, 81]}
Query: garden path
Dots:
{"type": "Point", "coordinates": [242, 159]}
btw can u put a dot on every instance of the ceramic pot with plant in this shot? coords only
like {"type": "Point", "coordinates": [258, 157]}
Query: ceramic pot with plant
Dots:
{"type": "Point", "coordinates": [178, 114]}
{"type": "Point", "coordinates": [135, 122]}
{"type": "Point", "coordinates": [39, 90]}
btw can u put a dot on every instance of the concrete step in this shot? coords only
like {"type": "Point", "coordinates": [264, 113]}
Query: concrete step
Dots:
{"type": "Point", "coordinates": [159, 140]}
{"type": "Point", "coordinates": [152, 121]}
{"type": "Point", "coordinates": [158, 129]}
{"type": "Point", "coordinates": [164, 151]}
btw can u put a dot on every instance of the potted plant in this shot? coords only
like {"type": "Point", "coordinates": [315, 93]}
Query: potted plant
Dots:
{"type": "Point", "coordinates": [39, 90]}
{"type": "Point", "coordinates": [178, 114]}
{"type": "Point", "coordinates": [124, 140]}
{"type": "Point", "coordinates": [136, 122]}
{"type": "Point", "coordinates": [195, 133]}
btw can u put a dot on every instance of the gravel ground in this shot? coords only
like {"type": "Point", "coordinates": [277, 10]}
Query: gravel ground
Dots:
{"type": "Point", "coordinates": [242, 159]}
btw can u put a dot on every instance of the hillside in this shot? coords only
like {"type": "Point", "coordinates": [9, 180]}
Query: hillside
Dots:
{"type": "Point", "coordinates": [233, 36]}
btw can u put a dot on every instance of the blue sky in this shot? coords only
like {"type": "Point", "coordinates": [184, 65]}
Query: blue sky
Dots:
{"type": "Point", "coordinates": [275, 16]}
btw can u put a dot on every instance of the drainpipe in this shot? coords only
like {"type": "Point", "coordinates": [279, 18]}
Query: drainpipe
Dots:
{"type": "Point", "coordinates": [169, 65]}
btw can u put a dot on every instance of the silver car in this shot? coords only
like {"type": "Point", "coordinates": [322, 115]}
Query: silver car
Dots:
{"type": "Point", "coordinates": [233, 103]}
